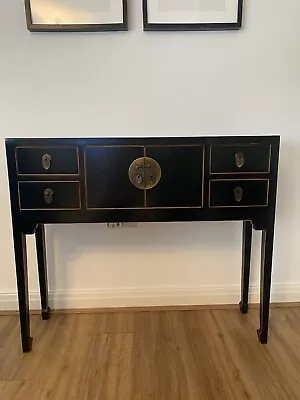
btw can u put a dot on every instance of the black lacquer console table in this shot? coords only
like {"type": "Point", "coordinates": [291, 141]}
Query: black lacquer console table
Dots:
{"type": "Point", "coordinates": [140, 180]}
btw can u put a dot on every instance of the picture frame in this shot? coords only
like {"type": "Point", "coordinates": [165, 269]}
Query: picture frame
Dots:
{"type": "Point", "coordinates": [76, 16]}
{"type": "Point", "coordinates": [186, 15]}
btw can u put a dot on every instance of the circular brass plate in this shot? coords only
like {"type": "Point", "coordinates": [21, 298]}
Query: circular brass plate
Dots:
{"type": "Point", "coordinates": [144, 173]}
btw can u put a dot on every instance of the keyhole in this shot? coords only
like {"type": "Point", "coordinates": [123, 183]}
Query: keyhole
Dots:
{"type": "Point", "coordinates": [139, 179]}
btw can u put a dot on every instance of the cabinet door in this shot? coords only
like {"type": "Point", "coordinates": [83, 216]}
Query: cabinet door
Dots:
{"type": "Point", "coordinates": [181, 182]}
{"type": "Point", "coordinates": [107, 181]}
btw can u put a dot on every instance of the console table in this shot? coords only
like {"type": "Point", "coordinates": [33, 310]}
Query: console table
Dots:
{"type": "Point", "coordinates": [95, 180]}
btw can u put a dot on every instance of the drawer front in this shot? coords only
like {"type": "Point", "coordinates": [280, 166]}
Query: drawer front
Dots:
{"type": "Point", "coordinates": [239, 193]}
{"type": "Point", "coordinates": [240, 159]}
{"type": "Point", "coordinates": [49, 195]}
{"type": "Point", "coordinates": [47, 160]}
{"type": "Point", "coordinates": [181, 183]}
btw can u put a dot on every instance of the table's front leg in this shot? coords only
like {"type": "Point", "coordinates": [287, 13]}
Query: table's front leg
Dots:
{"type": "Point", "coordinates": [246, 261]}
{"type": "Point", "coordinates": [265, 285]}
{"type": "Point", "coordinates": [42, 268]}
{"type": "Point", "coordinates": [22, 282]}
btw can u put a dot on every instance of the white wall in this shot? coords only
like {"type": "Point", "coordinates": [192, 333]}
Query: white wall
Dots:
{"type": "Point", "coordinates": [141, 84]}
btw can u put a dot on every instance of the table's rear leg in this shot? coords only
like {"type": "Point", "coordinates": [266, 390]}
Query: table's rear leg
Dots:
{"type": "Point", "coordinates": [42, 268]}
{"type": "Point", "coordinates": [246, 260]}
{"type": "Point", "coordinates": [22, 282]}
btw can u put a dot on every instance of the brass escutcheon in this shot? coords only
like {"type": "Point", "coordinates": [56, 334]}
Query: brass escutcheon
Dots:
{"type": "Point", "coordinates": [239, 160]}
{"type": "Point", "coordinates": [144, 173]}
{"type": "Point", "coordinates": [48, 196]}
{"type": "Point", "coordinates": [46, 161]}
{"type": "Point", "coordinates": [238, 194]}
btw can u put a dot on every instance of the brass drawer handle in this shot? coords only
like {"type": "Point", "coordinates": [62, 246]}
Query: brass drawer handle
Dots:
{"type": "Point", "coordinates": [46, 161]}
{"type": "Point", "coordinates": [239, 159]}
{"type": "Point", "coordinates": [48, 196]}
{"type": "Point", "coordinates": [238, 194]}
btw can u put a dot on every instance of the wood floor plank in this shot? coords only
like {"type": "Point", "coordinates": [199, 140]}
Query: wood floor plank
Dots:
{"type": "Point", "coordinates": [7, 325]}
{"type": "Point", "coordinates": [119, 322]}
{"type": "Point", "coordinates": [296, 311]}
{"type": "Point", "coordinates": [9, 390]}
{"type": "Point", "coordinates": [158, 359]}
{"type": "Point", "coordinates": [114, 371]}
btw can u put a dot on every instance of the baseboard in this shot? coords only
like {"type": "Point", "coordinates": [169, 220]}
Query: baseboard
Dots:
{"type": "Point", "coordinates": [144, 297]}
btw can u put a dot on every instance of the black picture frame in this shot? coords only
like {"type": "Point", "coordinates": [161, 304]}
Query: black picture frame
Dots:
{"type": "Point", "coordinates": [192, 26]}
{"type": "Point", "coordinates": [32, 27]}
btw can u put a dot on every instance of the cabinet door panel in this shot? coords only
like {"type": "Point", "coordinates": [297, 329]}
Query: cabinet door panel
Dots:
{"type": "Point", "coordinates": [181, 183]}
{"type": "Point", "coordinates": [107, 181]}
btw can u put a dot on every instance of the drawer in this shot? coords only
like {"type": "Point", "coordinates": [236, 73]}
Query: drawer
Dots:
{"type": "Point", "coordinates": [240, 159]}
{"type": "Point", "coordinates": [47, 160]}
{"type": "Point", "coordinates": [49, 195]}
{"type": "Point", "coordinates": [239, 193]}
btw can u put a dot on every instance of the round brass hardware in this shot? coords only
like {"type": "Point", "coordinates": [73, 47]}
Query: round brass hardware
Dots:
{"type": "Point", "coordinates": [239, 160]}
{"type": "Point", "coordinates": [144, 173]}
{"type": "Point", "coordinates": [48, 196]}
{"type": "Point", "coordinates": [46, 161]}
{"type": "Point", "coordinates": [238, 194]}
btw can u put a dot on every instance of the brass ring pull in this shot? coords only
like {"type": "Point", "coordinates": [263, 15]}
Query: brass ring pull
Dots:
{"type": "Point", "coordinates": [48, 196]}
{"type": "Point", "coordinates": [239, 160]}
{"type": "Point", "coordinates": [144, 173]}
{"type": "Point", "coordinates": [238, 194]}
{"type": "Point", "coordinates": [46, 161]}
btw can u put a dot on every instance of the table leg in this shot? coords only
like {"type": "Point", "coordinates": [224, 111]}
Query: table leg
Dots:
{"type": "Point", "coordinates": [42, 268]}
{"type": "Point", "coordinates": [22, 282]}
{"type": "Point", "coordinates": [265, 285]}
{"type": "Point", "coordinates": [246, 260]}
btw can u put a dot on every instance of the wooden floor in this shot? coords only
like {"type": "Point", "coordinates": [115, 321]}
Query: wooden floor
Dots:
{"type": "Point", "coordinates": [170, 355]}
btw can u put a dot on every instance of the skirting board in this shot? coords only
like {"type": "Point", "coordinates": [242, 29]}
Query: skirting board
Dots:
{"type": "Point", "coordinates": [143, 297]}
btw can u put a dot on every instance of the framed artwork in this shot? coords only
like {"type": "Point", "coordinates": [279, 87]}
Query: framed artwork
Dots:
{"type": "Point", "coordinates": [192, 15]}
{"type": "Point", "coordinates": [76, 15]}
